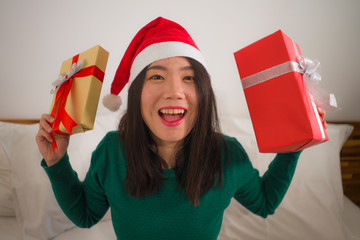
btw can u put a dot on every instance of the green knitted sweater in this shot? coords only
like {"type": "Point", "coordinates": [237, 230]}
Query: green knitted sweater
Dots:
{"type": "Point", "coordinates": [166, 214]}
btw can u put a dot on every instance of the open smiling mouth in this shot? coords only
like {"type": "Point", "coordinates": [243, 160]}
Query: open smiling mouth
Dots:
{"type": "Point", "coordinates": [172, 115]}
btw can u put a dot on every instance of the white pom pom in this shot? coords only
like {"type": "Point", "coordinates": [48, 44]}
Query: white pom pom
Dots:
{"type": "Point", "coordinates": [112, 102]}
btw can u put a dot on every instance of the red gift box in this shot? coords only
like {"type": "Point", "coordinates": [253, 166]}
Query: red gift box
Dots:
{"type": "Point", "coordinates": [284, 115]}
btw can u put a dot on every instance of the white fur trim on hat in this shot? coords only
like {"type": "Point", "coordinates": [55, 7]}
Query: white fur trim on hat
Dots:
{"type": "Point", "coordinates": [162, 50]}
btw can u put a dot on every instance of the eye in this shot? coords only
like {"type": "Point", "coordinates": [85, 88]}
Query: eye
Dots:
{"type": "Point", "coordinates": [156, 77]}
{"type": "Point", "coordinates": [189, 78]}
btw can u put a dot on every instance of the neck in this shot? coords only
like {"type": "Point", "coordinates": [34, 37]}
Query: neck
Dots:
{"type": "Point", "coordinates": [168, 152]}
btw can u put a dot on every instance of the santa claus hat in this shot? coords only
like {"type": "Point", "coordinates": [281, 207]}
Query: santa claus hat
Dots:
{"type": "Point", "coordinates": [159, 39]}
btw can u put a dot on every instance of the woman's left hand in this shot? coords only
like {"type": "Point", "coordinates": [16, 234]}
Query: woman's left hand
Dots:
{"type": "Point", "coordinates": [322, 114]}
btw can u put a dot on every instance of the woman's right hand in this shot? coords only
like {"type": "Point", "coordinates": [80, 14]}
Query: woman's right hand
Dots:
{"type": "Point", "coordinates": [44, 141]}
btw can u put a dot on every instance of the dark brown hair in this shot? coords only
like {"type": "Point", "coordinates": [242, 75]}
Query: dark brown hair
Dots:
{"type": "Point", "coordinates": [198, 160]}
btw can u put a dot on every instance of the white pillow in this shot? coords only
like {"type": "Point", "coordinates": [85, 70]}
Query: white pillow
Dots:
{"type": "Point", "coordinates": [35, 205]}
{"type": "Point", "coordinates": [6, 199]}
{"type": "Point", "coordinates": [312, 207]}
{"type": "Point", "coordinates": [36, 208]}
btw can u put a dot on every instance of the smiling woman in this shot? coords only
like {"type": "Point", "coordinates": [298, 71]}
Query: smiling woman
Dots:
{"type": "Point", "coordinates": [168, 168]}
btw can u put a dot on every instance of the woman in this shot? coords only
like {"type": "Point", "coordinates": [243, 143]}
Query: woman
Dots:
{"type": "Point", "coordinates": [168, 172]}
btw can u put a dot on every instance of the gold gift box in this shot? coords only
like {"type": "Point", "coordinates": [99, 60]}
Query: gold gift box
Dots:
{"type": "Point", "coordinates": [82, 101]}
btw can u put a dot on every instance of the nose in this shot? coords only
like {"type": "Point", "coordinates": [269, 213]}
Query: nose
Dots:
{"type": "Point", "coordinates": [174, 88]}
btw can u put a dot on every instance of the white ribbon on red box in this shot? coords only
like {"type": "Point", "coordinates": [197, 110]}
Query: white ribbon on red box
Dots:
{"type": "Point", "coordinates": [311, 77]}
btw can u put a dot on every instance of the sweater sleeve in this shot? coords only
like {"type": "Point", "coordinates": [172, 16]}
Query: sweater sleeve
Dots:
{"type": "Point", "coordinates": [84, 203]}
{"type": "Point", "coordinates": [263, 194]}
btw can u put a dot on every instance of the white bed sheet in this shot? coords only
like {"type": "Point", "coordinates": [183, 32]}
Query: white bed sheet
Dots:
{"type": "Point", "coordinates": [351, 219]}
{"type": "Point", "coordinates": [103, 230]}
{"type": "Point", "coordinates": [10, 230]}
{"type": "Point", "coordinates": [317, 179]}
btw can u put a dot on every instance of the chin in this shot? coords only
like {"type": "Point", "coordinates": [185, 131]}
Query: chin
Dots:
{"type": "Point", "coordinates": [171, 136]}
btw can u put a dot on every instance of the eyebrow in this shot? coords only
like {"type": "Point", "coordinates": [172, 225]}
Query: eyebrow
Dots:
{"type": "Point", "coordinates": [163, 68]}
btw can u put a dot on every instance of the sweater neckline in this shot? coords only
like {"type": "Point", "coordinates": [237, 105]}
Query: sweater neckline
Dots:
{"type": "Point", "coordinates": [169, 173]}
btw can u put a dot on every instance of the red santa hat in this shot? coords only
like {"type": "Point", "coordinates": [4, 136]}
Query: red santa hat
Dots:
{"type": "Point", "coordinates": [159, 39]}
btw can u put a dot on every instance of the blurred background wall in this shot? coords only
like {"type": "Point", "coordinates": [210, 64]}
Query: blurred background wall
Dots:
{"type": "Point", "coordinates": [38, 35]}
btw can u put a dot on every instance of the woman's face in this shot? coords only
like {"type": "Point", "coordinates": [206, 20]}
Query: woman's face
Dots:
{"type": "Point", "coordinates": [169, 99]}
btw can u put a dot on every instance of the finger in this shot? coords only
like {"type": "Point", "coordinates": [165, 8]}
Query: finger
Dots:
{"type": "Point", "coordinates": [325, 124]}
{"type": "Point", "coordinates": [45, 121]}
{"type": "Point", "coordinates": [44, 135]}
{"type": "Point", "coordinates": [321, 112]}
{"type": "Point", "coordinates": [44, 125]}
{"type": "Point", "coordinates": [47, 117]}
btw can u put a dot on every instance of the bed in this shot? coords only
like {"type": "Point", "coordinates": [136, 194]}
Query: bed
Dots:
{"type": "Point", "coordinates": [314, 207]}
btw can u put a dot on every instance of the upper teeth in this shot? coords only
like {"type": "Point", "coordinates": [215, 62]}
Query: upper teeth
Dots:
{"type": "Point", "coordinates": [172, 111]}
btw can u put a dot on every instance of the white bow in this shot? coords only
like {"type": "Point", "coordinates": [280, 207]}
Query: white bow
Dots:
{"type": "Point", "coordinates": [312, 78]}
{"type": "Point", "coordinates": [76, 67]}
